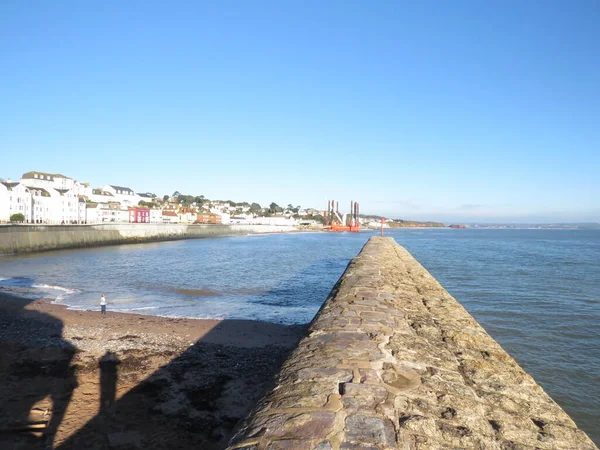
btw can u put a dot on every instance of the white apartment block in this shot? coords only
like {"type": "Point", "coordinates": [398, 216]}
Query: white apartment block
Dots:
{"type": "Point", "coordinates": [55, 181]}
{"type": "Point", "coordinates": [14, 199]}
{"type": "Point", "coordinates": [44, 205]}
{"type": "Point", "coordinates": [123, 195]}
{"type": "Point", "coordinates": [56, 206]}
{"type": "Point", "coordinates": [41, 201]}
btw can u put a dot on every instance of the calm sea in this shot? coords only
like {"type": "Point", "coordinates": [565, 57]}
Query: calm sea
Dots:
{"type": "Point", "coordinates": [537, 292]}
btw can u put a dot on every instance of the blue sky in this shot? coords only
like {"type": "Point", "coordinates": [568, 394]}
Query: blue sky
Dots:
{"type": "Point", "coordinates": [451, 111]}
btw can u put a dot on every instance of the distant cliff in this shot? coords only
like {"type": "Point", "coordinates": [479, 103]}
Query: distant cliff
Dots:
{"type": "Point", "coordinates": [400, 223]}
{"type": "Point", "coordinates": [411, 223]}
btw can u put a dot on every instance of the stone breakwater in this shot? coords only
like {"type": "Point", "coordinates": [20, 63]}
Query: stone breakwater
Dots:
{"type": "Point", "coordinates": [393, 361]}
{"type": "Point", "coordinates": [36, 238]}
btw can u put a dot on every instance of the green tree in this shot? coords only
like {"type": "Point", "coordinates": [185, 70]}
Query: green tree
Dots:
{"type": "Point", "coordinates": [176, 194]}
{"type": "Point", "coordinates": [255, 208]}
{"type": "Point", "coordinates": [165, 198]}
{"type": "Point", "coordinates": [290, 207]}
{"type": "Point", "coordinates": [18, 217]}
{"type": "Point", "coordinates": [274, 208]}
{"type": "Point", "coordinates": [319, 219]}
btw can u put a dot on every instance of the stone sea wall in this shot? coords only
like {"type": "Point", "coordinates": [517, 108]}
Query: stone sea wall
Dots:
{"type": "Point", "coordinates": [35, 238]}
{"type": "Point", "coordinates": [393, 361]}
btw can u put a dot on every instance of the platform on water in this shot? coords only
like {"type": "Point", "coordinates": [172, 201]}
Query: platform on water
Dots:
{"type": "Point", "coordinates": [393, 361]}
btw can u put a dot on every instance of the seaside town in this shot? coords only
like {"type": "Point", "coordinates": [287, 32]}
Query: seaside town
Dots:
{"type": "Point", "coordinates": [55, 199]}
{"type": "Point", "coordinates": [47, 198]}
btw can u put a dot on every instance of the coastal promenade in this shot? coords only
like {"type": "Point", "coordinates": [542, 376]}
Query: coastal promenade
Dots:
{"type": "Point", "coordinates": [393, 361]}
{"type": "Point", "coordinates": [16, 239]}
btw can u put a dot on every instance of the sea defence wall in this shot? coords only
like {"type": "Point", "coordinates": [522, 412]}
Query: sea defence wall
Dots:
{"type": "Point", "coordinates": [35, 238]}
{"type": "Point", "coordinates": [393, 361]}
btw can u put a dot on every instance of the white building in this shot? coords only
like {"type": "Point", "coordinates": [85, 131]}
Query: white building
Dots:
{"type": "Point", "coordinates": [15, 198]}
{"type": "Point", "coordinates": [170, 217]}
{"type": "Point", "coordinates": [5, 188]}
{"type": "Point", "coordinates": [241, 219]}
{"type": "Point", "coordinates": [93, 212]}
{"type": "Point", "coordinates": [46, 180]}
{"type": "Point", "coordinates": [187, 215]}
{"type": "Point", "coordinates": [105, 213]}
{"type": "Point", "coordinates": [68, 202]}
{"type": "Point", "coordinates": [156, 216]}
{"type": "Point", "coordinates": [274, 220]}
{"type": "Point", "coordinates": [56, 206]}
{"type": "Point", "coordinates": [124, 195]}
{"type": "Point", "coordinates": [101, 196]}
{"type": "Point", "coordinates": [44, 205]}
{"type": "Point", "coordinates": [55, 181]}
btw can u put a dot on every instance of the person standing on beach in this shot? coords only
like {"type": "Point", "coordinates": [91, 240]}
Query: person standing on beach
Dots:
{"type": "Point", "coordinates": [103, 304]}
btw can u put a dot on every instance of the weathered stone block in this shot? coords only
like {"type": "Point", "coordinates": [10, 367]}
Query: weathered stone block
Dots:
{"type": "Point", "coordinates": [313, 425]}
{"type": "Point", "coordinates": [365, 429]}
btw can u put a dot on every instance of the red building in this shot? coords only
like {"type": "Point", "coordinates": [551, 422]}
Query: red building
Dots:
{"type": "Point", "coordinates": [139, 215]}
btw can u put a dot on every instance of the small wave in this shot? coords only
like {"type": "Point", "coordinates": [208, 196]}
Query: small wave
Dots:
{"type": "Point", "coordinates": [57, 288]}
{"type": "Point", "coordinates": [141, 308]}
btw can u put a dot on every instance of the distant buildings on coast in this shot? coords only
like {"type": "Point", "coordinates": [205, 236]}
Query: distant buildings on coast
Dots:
{"type": "Point", "coordinates": [47, 198]}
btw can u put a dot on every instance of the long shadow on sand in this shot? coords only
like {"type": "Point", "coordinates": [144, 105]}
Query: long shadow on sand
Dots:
{"type": "Point", "coordinates": [192, 402]}
{"type": "Point", "coordinates": [36, 373]}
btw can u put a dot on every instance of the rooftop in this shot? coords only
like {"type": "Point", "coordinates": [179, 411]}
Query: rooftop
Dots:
{"type": "Point", "coordinates": [9, 185]}
{"type": "Point", "coordinates": [121, 188]}
{"type": "Point", "coordinates": [32, 175]}
{"type": "Point", "coordinates": [43, 191]}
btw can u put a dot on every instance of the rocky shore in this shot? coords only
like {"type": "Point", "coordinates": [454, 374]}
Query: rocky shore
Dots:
{"type": "Point", "coordinates": [75, 379]}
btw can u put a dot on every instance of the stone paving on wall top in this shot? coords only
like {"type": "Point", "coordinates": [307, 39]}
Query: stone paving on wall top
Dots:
{"type": "Point", "coordinates": [393, 361]}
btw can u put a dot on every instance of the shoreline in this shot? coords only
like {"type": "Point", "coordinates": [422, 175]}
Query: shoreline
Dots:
{"type": "Point", "coordinates": [181, 383]}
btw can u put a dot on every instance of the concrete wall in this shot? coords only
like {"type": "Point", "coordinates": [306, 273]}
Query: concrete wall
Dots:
{"type": "Point", "coordinates": [34, 238]}
{"type": "Point", "coordinates": [393, 361]}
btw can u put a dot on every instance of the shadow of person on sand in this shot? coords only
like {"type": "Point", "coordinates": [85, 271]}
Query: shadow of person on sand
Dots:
{"type": "Point", "coordinates": [193, 401]}
{"type": "Point", "coordinates": [108, 379]}
{"type": "Point", "coordinates": [37, 377]}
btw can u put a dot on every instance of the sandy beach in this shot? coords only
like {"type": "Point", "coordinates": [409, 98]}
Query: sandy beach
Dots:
{"type": "Point", "coordinates": [76, 379]}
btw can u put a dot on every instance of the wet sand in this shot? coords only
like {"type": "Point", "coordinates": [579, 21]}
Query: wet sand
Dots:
{"type": "Point", "coordinates": [77, 379]}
